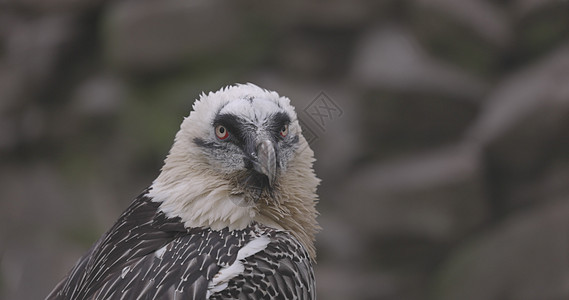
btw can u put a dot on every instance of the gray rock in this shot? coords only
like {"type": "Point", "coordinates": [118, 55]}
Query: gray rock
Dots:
{"type": "Point", "coordinates": [335, 14]}
{"type": "Point", "coordinates": [526, 7]}
{"type": "Point", "coordinates": [524, 258]}
{"type": "Point", "coordinates": [410, 102]}
{"type": "Point", "coordinates": [394, 125]}
{"type": "Point", "coordinates": [391, 58]}
{"type": "Point", "coordinates": [56, 5]}
{"type": "Point", "coordinates": [541, 27]}
{"type": "Point", "coordinates": [43, 260]}
{"type": "Point", "coordinates": [409, 209]}
{"type": "Point", "coordinates": [341, 240]}
{"type": "Point", "coordinates": [8, 133]}
{"type": "Point", "coordinates": [550, 184]}
{"type": "Point", "coordinates": [31, 193]}
{"type": "Point", "coordinates": [99, 96]}
{"type": "Point", "coordinates": [33, 47]}
{"type": "Point", "coordinates": [339, 144]}
{"type": "Point", "coordinates": [481, 17]}
{"type": "Point", "coordinates": [523, 127]}
{"type": "Point", "coordinates": [151, 35]}
{"type": "Point", "coordinates": [12, 88]}
{"type": "Point", "coordinates": [32, 124]}
{"type": "Point", "coordinates": [312, 54]}
{"type": "Point", "coordinates": [21, 120]}
{"type": "Point", "coordinates": [336, 282]}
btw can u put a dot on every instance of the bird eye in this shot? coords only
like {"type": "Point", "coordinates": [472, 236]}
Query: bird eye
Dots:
{"type": "Point", "coordinates": [284, 131]}
{"type": "Point", "coordinates": [221, 132]}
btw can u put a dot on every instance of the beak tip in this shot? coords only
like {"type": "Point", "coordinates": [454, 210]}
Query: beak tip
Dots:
{"type": "Point", "coordinates": [266, 160]}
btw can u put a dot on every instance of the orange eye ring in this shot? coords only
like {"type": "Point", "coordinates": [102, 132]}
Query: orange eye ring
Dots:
{"type": "Point", "coordinates": [284, 131]}
{"type": "Point", "coordinates": [221, 132]}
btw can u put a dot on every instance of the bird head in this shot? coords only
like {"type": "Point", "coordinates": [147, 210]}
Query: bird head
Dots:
{"type": "Point", "coordinates": [240, 157]}
{"type": "Point", "coordinates": [249, 140]}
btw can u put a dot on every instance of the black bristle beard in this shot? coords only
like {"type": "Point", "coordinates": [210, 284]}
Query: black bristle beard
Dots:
{"type": "Point", "coordinates": [252, 185]}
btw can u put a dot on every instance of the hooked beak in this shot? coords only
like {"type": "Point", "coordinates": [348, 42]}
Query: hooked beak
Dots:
{"type": "Point", "coordinates": [266, 162]}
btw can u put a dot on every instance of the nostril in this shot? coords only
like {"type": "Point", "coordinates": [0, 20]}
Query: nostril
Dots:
{"type": "Point", "coordinates": [253, 155]}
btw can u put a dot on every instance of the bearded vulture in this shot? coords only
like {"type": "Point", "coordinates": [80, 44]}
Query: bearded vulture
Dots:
{"type": "Point", "coordinates": [231, 215]}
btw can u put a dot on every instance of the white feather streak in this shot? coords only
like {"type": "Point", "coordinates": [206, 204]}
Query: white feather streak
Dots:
{"type": "Point", "coordinates": [221, 279]}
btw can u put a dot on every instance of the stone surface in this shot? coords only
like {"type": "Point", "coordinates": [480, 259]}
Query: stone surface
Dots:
{"type": "Point", "coordinates": [336, 14]}
{"type": "Point", "coordinates": [542, 26]}
{"type": "Point", "coordinates": [524, 126]}
{"type": "Point", "coordinates": [35, 193]}
{"type": "Point", "coordinates": [391, 58]}
{"type": "Point", "coordinates": [525, 7]}
{"type": "Point", "coordinates": [410, 211]}
{"type": "Point", "coordinates": [57, 5]}
{"type": "Point", "coordinates": [438, 196]}
{"type": "Point", "coordinates": [487, 20]}
{"type": "Point", "coordinates": [149, 35]}
{"type": "Point", "coordinates": [525, 257]}
{"type": "Point", "coordinates": [410, 98]}
{"type": "Point", "coordinates": [314, 54]}
{"type": "Point", "coordinates": [33, 48]}
{"type": "Point", "coordinates": [99, 96]}
{"type": "Point", "coordinates": [344, 282]}
{"type": "Point", "coordinates": [399, 124]}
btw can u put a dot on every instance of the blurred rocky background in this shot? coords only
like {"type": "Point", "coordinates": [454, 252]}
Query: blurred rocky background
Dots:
{"type": "Point", "coordinates": [441, 130]}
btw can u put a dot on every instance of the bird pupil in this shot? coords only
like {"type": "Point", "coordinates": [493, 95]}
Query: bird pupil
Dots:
{"type": "Point", "coordinates": [221, 130]}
